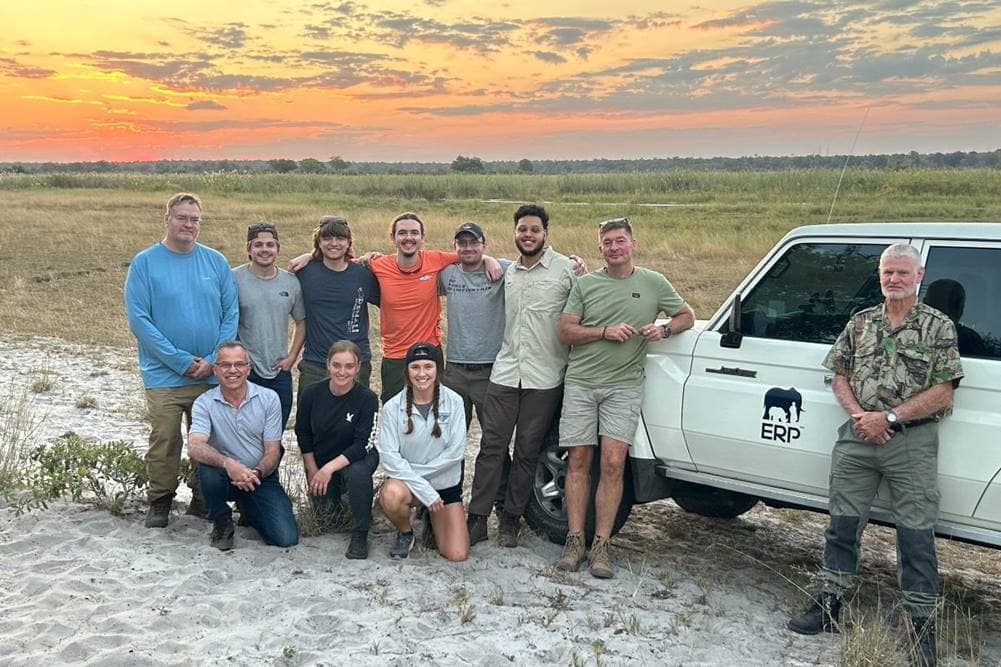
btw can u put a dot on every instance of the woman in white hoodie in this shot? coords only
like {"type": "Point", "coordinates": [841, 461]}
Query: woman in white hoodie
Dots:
{"type": "Point", "coordinates": [422, 442]}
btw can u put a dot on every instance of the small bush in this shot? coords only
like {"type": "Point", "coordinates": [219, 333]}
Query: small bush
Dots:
{"type": "Point", "coordinates": [86, 402]}
{"type": "Point", "coordinates": [107, 474]}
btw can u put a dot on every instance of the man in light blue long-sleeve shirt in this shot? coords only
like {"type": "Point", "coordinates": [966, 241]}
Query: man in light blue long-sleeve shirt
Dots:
{"type": "Point", "coordinates": [181, 302]}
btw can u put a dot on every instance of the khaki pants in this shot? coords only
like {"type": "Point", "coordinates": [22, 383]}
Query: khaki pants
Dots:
{"type": "Point", "coordinates": [470, 382]}
{"type": "Point", "coordinates": [166, 407]}
{"type": "Point", "coordinates": [909, 464]}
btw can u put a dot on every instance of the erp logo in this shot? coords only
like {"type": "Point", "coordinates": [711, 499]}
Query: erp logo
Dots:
{"type": "Point", "coordinates": [781, 406]}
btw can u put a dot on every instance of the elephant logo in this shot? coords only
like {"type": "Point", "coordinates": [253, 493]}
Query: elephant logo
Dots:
{"type": "Point", "coordinates": [784, 400]}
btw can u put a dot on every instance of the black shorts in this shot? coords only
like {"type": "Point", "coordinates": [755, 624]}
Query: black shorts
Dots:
{"type": "Point", "coordinates": [452, 494]}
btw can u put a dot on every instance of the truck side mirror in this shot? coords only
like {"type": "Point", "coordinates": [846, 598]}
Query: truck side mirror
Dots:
{"type": "Point", "coordinates": [733, 336]}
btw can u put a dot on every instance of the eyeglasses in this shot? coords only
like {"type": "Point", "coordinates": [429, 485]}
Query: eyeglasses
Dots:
{"type": "Point", "coordinates": [185, 219]}
{"type": "Point", "coordinates": [232, 365]}
{"type": "Point", "coordinates": [475, 243]}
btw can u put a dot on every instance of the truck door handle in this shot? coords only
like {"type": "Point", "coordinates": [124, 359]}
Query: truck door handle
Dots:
{"type": "Point", "coordinates": [828, 379]}
{"type": "Point", "coordinates": [725, 370]}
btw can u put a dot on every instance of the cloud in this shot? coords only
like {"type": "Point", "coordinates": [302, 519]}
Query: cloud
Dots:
{"type": "Point", "coordinates": [205, 105]}
{"type": "Point", "coordinates": [12, 68]}
{"type": "Point", "coordinates": [549, 57]}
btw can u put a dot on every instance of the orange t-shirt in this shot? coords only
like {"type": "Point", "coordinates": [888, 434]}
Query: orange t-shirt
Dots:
{"type": "Point", "coordinates": [409, 305]}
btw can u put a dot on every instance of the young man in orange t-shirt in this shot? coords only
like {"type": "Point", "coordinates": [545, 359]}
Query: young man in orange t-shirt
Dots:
{"type": "Point", "coordinates": [410, 307]}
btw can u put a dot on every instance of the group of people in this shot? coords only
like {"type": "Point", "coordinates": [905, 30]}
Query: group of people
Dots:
{"type": "Point", "coordinates": [524, 337]}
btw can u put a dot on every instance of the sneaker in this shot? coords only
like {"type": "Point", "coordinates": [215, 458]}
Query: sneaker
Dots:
{"type": "Point", "coordinates": [158, 513]}
{"type": "Point", "coordinates": [197, 507]}
{"type": "Point", "coordinates": [507, 534]}
{"type": "Point", "coordinates": [358, 547]}
{"type": "Point", "coordinates": [222, 533]}
{"type": "Point", "coordinates": [477, 526]}
{"type": "Point", "coordinates": [573, 553]}
{"type": "Point", "coordinates": [821, 615]}
{"type": "Point", "coordinates": [402, 545]}
{"type": "Point", "coordinates": [599, 562]}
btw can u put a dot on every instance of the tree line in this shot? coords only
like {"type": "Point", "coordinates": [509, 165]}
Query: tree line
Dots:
{"type": "Point", "coordinates": [475, 165]}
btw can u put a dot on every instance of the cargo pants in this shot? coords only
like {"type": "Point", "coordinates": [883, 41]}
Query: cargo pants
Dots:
{"type": "Point", "coordinates": [909, 464]}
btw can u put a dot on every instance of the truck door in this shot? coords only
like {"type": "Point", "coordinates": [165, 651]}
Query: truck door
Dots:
{"type": "Point", "coordinates": [764, 411]}
{"type": "Point", "coordinates": [964, 282]}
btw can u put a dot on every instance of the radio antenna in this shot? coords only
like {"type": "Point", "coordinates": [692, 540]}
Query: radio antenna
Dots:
{"type": "Point", "coordinates": [845, 167]}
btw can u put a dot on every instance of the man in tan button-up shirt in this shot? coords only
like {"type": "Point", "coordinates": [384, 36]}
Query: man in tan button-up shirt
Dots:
{"type": "Point", "coordinates": [526, 383]}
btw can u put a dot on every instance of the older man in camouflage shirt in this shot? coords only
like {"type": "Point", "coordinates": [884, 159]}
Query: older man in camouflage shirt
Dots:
{"type": "Point", "coordinates": [895, 366]}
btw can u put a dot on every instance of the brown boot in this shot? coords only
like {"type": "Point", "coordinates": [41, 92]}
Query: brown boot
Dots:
{"type": "Point", "coordinates": [573, 553]}
{"type": "Point", "coordinates": [507, 534]}
{"type": "Point", "coordinates": [598, 559]}
{"type": "Point", "coordinates": [159, 511]}
{"type": "Point", "coordinates": [476, 524]}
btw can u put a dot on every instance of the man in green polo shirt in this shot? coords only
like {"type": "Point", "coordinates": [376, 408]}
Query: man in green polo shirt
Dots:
{"type": "Point", "coordinates": [608, 320]}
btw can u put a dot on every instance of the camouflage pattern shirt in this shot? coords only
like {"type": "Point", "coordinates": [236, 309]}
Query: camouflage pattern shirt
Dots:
{"type": "Point", "coordinates": [885, 366]}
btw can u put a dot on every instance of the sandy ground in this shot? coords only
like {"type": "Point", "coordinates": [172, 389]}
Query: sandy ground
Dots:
{"type": "Point", "coordinates": [78, 585]}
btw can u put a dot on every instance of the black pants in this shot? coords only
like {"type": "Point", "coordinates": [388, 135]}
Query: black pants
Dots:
{"type": "Point", "coordinates": [360, 491]}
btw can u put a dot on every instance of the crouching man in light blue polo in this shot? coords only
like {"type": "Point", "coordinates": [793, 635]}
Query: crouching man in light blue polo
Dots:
{"type": "Point", "coordinates": [235, 435]}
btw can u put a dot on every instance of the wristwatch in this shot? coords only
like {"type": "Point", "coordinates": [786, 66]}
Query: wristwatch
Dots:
{"type": "Point", "coordinates": [891, 417]}
{"type": "Point", "coordinates": [259, 473]}
{"type": "Point", "coordinates": [666, 328]}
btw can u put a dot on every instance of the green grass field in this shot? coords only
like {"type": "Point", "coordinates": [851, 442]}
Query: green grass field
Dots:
{"type": "Point", "coordinates": [66, 239]}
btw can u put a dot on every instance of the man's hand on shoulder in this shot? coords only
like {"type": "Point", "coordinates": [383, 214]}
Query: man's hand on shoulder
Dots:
{"type": "Point", "coordinates": [299, 263]}
{"type": "Point", "coordinates": [493, 268]}
{"type": "Point", "coordinates": [579, 265]}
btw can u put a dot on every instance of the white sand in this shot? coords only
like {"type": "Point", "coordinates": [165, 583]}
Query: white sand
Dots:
{"type": "Point", "coordinates": [81, 586]}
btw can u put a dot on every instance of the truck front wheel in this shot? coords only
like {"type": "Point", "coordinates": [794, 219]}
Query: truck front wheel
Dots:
{"type": "Point", "coordinates": [707, 501]}
{"type": "Point", "coordinates": [546, 512]}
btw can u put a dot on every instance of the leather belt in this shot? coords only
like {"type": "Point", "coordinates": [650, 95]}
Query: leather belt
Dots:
{"type": "Point", "coordinates": [903, 426]}
{"type": "Point", "coordinates": [470, 367]}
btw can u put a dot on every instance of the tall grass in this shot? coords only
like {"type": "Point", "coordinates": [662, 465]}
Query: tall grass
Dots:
{"type": "Point", "coordinates": [689, 185]}
{"type": "Point", "coordinates": [18, 429]}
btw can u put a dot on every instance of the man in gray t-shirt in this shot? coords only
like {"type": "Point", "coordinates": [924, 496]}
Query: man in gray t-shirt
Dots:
{"type": "Point", "coordinates": [268, 296]}
{"type": "Point", "coordinates": [475, 319]}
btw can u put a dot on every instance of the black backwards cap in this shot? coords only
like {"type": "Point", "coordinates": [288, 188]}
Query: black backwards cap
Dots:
{"type": "Point", "coordinates": [421, 351]}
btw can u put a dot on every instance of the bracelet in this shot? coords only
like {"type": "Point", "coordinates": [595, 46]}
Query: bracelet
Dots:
{"type": "Point", "coordinates": [603, 333]}
{"type": "Point", "coordinates": [259, 473]}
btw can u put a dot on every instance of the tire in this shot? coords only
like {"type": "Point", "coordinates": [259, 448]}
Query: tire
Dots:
{"type": "Point", "coordinates": [546, 512]}
{"type": "Point", "coordinates": [707, 501]}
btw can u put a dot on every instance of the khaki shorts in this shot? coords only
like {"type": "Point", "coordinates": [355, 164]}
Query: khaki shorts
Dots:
{"type": "Point", "coordinates": [613, 412]}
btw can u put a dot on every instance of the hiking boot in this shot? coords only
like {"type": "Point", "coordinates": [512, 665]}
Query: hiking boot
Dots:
{"type": "Point", "coordinates": [477, 526]}
{"type": "Point", "coordinates": [573, 553]}
{"type": "Point", "coordinates": [158, 513]}
{"type": "Point", "coordinates": [196, 507]}
{"type": "Point", "coordinates": [222, 533]}
{"type": "Point", "coordinates": [402, 545]}
{"type": "Point", "coordinates": [507, 534]}
{"type": "Point", "coordinates": [820, 616]}
{"type": "Point", "coordinates": [358, 547]}
{"type": "Point", "coordinates": [599, 562]}
{"type": "Point", "coordinates": [925, 653]}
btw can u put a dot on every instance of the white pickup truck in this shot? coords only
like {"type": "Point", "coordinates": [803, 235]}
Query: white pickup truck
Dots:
{"type": "Point", "coordinates": [740, 410]}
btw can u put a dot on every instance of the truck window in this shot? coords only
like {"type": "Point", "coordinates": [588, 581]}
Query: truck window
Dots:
{"type": "Point", "coordinates": [811, 291]}
{"type": "Point", "coordinates": [965, 284]}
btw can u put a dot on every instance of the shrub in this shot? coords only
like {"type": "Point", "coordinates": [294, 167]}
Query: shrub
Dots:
{"type": "Point", "coordinates": [107, 474]}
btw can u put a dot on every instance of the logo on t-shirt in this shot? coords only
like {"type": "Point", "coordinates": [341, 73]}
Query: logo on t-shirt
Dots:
{"type": "Point", "coordinates": [349, 416]}
{"type": "Point", "coordinates": [426, 276]}
{"type": "Point", "coordinates": [636, 295]}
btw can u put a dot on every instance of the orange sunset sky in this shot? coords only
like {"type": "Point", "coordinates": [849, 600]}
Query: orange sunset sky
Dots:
{"type": "Point", "coordinates": [186, 79]}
